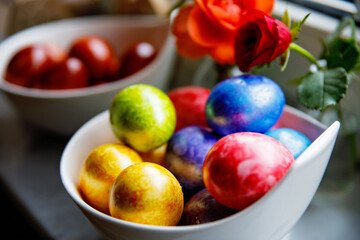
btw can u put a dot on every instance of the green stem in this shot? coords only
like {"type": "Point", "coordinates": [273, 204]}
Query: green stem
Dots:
{"type": "Point", "coordinates": [223, 71]}
{"type": "Point", "coordinates": [353, 29]}
{"type": "Point", "coordinates": [351, 137]}
{"type": "Point", "coordinates": [177, 5]}
{"type": "Point", "coordinates": [294, 47]}
{"type": "Point", "coordinates": [352, 140]}
{"type": "Point", "coordinates": [345, 22]}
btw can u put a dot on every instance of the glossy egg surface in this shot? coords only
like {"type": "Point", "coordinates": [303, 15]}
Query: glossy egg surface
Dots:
{"type": "Point", "coordinates": [242, 167]}
{"type": "Point", "coordinates": [143, 117]}
{"type": "Point", "coordinates": [203, 208]}
{"type": "Point", "coordinates": [248, 103]}
{"type": "Point", "coordinates": [189, 102]}
{"type": "Point", "coordinates": [295, 141]}
{"type": "Point", "coordinates": [186, 153]}
{"type": "Point", "coordinates": [147, 193]}
{"type": "Point", "coordinates": [100, 170]}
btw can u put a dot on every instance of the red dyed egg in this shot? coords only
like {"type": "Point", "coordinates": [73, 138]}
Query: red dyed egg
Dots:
{"type": "Point", "coordinates": [242, 167]}
{"type": "Point", "coordinates": [69, 74]}
{"type": "Point", "coordinates": [98, 56]}
{"type": "Point", "coordinates": [32, 61]}
{"type": "Point", "coordinates": [137, 57]}
{"type": "Point", "coordinates": [189, 102]}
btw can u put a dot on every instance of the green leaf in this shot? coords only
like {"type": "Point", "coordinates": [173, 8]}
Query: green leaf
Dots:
{"type": "Point", "coordinates": [354, 76]}
{"type": "Point", "coordinates": [324, 88]}
{"type": "Point", "coordinates": [297, 80]}
{"type": "Point", "coordinates": [357, 65]}
{"type": "Point", "coordinates": [345, 22]}
{"type": "Point", "coordinates": [295, 30]}
{"type": "Point", "coordinates": [342, 53]}
{"type": "Point", "coordinates": [325, 49]}
{"type": "Point", "coordinates": [284, 58]}
{"type": "Point", "coordinates": [286, 19]}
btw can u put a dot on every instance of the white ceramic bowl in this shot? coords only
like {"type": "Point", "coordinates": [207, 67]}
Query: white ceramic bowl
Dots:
{"type": "Point", "coordinates": [64, 111]}
{"type": "Point", "coordinates": [270, 218]}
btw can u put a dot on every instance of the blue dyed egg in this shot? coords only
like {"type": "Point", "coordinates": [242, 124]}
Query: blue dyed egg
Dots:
{"type": "Point", "coordinates": [295, 141]}
{"type": "Point", "coordinates": [186, 153]}
{"type": "Point", "coordinates": [247, 103]}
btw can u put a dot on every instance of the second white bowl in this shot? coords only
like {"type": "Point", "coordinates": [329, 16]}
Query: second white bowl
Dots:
{"type": "Point", "coordinates": [64, 111]}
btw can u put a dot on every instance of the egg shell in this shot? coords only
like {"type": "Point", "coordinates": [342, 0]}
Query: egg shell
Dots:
{"type": "Point", "coordinates": [155, 156]}
{"type": "Point", "coordinates": [247, 103]}
{"type": "Point", "coordinates": [295, 141]}
{"type": "Point", "coordinates": [99, 171]}
{"type": "Point", "coordinates": [32, 61]}
{"type": "Point", "coordinates": [186, 153]}
{"type": "Point", "coordinates": [136, 57]}
{"type": "Point", "coordinates": [98, 55]}
{"type": "Point", "coordinates": [189, 102]}
{"type": "Point", "coordinates": [203, 208]}
{"type": "Point", "coordinates": [147, 193]}
{"type": "Point", "coordinates": [143, 117]}
{"type": "Point", "coordinates": [242, 167]}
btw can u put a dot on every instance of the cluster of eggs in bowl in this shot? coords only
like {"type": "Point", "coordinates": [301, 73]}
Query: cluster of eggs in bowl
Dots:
{"type": "Point", "coordinates": [178, 170]}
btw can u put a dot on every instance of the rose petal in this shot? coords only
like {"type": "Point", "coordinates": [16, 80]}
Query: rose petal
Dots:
{"type": "Point", "coordinates": [227, 13]}
{"type": "Point", "coordinates": [204, 32]}
{"type": "Point", "coordinates": [224, 53]}
{"type": "Point", "coordinates": [185, 45]}
{"type": "Point", "coordinates": [247, 39]}
{"type": "Point", "coordinates": [262, 5]}
{"type": "Point", "coordinates": [284, 39]}
{"type": "Point", "coordinates": [265, 5]}
{"type": "Point", "coordinates": [188, 48]}
{"type": "Point", "coordinates": [179, 25]}
{"type": "Point", "coordinates": [259, 39]}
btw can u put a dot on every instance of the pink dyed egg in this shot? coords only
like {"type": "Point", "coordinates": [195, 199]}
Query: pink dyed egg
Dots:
{"type": "Point", "coordinates": [242, 167]}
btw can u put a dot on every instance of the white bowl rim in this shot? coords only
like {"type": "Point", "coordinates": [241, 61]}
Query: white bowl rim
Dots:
{"type": "Point", "coordinates": [179, 228]}
{"type": "Point", "coordinates": [144, 20]}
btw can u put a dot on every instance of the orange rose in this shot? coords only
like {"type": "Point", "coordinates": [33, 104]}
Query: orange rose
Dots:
{"type": "Point", "coordinates": [185, 45]}
{"type": "Point", "coordinates": [208, 27]}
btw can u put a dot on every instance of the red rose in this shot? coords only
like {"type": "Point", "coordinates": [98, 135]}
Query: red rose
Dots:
{"type": "Point", "coordinates": [259, 39]}
{"type": "Point", "coordinates": [208, 27]}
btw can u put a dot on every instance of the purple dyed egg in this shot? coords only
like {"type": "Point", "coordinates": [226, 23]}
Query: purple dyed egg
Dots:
{"type": "Point", "coordinates": [203, 208]}
{"type": "Point", "coordinates": [247, 103]}
{"type": "Point", "coordinates": [186, 153]}
{"type": "Point", "coordinates": [295, 141]}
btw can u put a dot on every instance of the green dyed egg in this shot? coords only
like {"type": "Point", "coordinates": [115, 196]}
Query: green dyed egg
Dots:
{"type": "Point", "coordinates": [143, 117]}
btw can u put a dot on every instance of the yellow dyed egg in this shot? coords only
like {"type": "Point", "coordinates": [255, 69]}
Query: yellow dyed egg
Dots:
{"type": "Point", "coordinates": [155, 156]}
{"type": "Point", "coordinates": [147, 193]}
{"type": "Point", "coordinates": [100, 170]}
